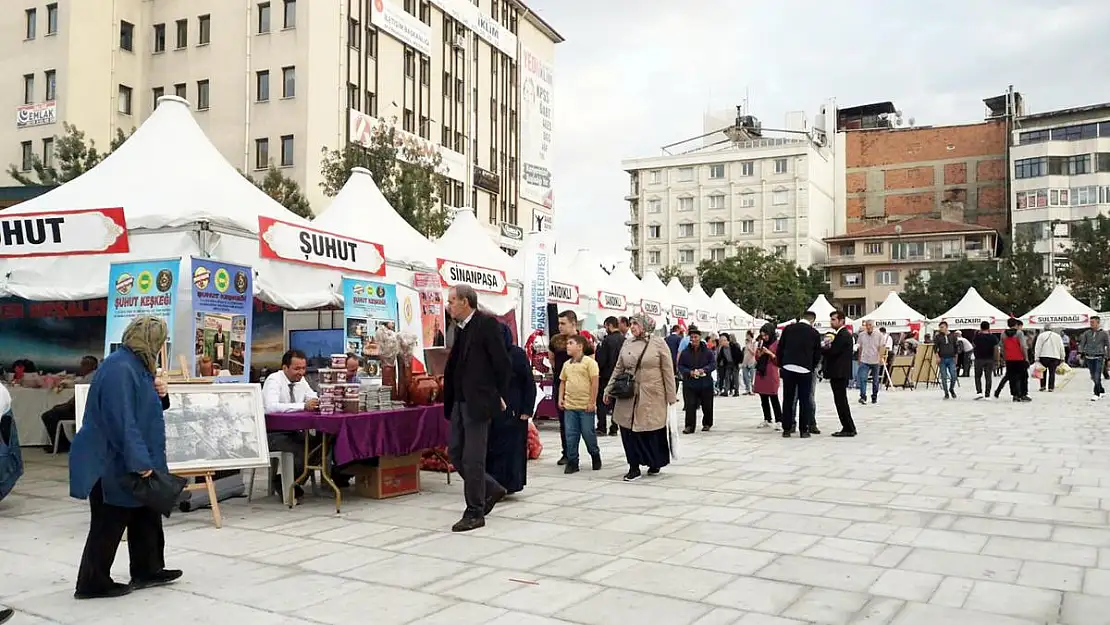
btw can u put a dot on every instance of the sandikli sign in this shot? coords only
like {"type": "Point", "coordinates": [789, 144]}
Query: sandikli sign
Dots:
{"type": "Point", "coordinates": [453, 273]}
{"type": "Point", "coordinates": [402, 26]}
{"type": "Point", "coordinates": [652, 308]}
{"type": "Point", "coordinates": [536, 128]}
{"type": "Point", "coordinates": [537, 280]}
{"type": "Point", "coordinates": [563, 293]}
{"type": "Point", "coordinates": [63, 233]}
{"type": "Point", "coordinates": [281, 240]}
{"type": "Point", "coordinates": [611, 301]}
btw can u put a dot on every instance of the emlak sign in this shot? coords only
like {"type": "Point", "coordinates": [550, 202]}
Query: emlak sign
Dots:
{"type": "Point", "coordinates": [293, 243]}
{"type": "Point", "coordinates": [453, 273]}
{"type": "Point", "coordinates": [611, 301]}
{"type": "Point", "coordinates": [563, 293]}
{"type": "Point", "coordinates": [63, 233]}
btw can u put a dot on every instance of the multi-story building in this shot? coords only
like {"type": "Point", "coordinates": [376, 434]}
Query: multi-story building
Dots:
{"type": "Point", "coordinates": [769, 189]}
{"type": "Point", "coordinates": [865, 266]}
{"type": "Point", "coordinates": [278, 80]}
{"type": "Point", "coordinates": [1061, 175]}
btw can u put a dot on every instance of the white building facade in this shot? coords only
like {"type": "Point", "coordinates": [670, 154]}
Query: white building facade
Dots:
{"type": "Point", "coordinates": [277, 81]}
{"type": "Point", "coordinates": [1060, 173]}
{"type": "Point", "coordinates": [772, 193]}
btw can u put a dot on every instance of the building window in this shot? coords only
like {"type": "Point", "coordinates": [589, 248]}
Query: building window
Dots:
{"type": "Point", "coordinates": [716, 228]}
{"type": "Point", "coordinates": [781, 166]}
{"type": "Point", "coordinates": [371, 42]}
{"type": "Point", "coordinates": [873, 249]}
{"type": "Point", "coordinates": [685, 203]}
{"type": "Point", "coordinates": [780, 224]}
{"type": "Point", "coordinates": [182, 34]}
{"type": "Point", "coordinates": [28, 88]}
{"type": "Point", "coordinates": [126, 36]}
{"type": "Point", "coordinates": [159, 38]}
{"type": "Point", "coordinates": [352, 96]}
{"type": "Point", "coordinates": [155, 94]}
{"type": "Point", "coordinates": [125, 99]}
{"type": "Point", "coordinates": [263, 17]}
{"type": "Point", "coordinates": [778, 198]}
{"type": "Point", "coordinates": [32, 25]}
{"type": "Point", "coordinates": [426, 75]}
{"type": "Point", "coordinates": [848, 249]}
{"type": "Point", "coordinates": [717, 254]}
{"type": "Point", "coordinates": [410, 63]}
{"type": "Point", "coordinates": [48, 152]}
{"type": "Point", "coordinates": [52, 18]}
{"type": "Point", "coordinates": [290, 14]}
{"type": "Point", "coordinates": [886, 277]}
{"type": "Point", "coordinates": [1080, 164]}
{"type": "Point", "coordinates": [655, 206]}
{"type": "Point", "coordinates": [686, 174]}
{"type": "Point", "coordinates": [261, 153]}
{"type": "Point", "coordinates": [262, 85]}
{"type": "Point", "coordinates": [288, 82]}
{"type": "Point", "coordinates": [51, 85]}
{"type": "Point", "coordinates": [747, 226]}
{"type": "Point", "coordinates": [202, 95]}
{"type": "Point", "coordinates": [653, 257]}
{"type": "Point", "coordinates": [716, 201]}
{"type": "Point", "coordinates": [685, 230]}
{"type": "Point", "coordinates": [747, 200]}
{"type": "Point", "coordinates": [425, 131]}
{"type": "Point", "coordinates": [426, 12]}
{"type": "Point", "coordinates": [907, 250]}
{"type": "Point", "coordinates": [686, 257]}
{"type": "Point", "coordinates": [656, 176]}
{"type": "Point", "coordinates": [1084, 196]}
{"type": "Point", "coordinates": [1037, 198]}
{"type": "Point", "coordinates": [1075, 133]}
{"type": "Point", "coordinates": [204, 25]}
{"type": "Point", "coordinates": [27, 160]}
{"type": "Point", "coordinates": [287, 151]}
{"type": "Point", "coordinates": [371, 103]}
{"type": "Point", "coordinates": [407, 120]}
{"type": "Point", "coordinates": [747, 168]}
{"type": "Point", "coordinates": [354, 33]}
{"type": "Point", "coordinates": [716, 172]}
{"type": "Point", "coordinates": [181, 91]}
{"type": "Point", "coordinates": [1030, 167]}
{"type": "Point", "coordinates": [654, 232]}
{"type": "Point", "coordinates": [851, 279]}
{"type": "Point", "coordinates": [1102, 159]}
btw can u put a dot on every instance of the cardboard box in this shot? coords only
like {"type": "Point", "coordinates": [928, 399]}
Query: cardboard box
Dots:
{"type": "Point", "coordinates": [394, 476]}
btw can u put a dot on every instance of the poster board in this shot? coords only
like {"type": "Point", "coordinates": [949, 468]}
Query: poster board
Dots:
{"type": "Point", "coordinates": [141, 288]}
{"type": "Point", "coordinates": [411, 318]}
{"type": "Point", "coordinates": [223, 308]}
{"type": "Point", "coordinates": [209, 427]}
{"type": "Point", "coordinates": [367, 305]}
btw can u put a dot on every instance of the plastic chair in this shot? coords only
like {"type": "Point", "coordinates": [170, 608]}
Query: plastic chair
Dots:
{"type": "Point", "coordinates": [67, 427]}
{"type": "Point", "coordinates": [285, 468]}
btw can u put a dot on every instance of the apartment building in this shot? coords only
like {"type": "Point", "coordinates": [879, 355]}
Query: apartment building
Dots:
{"type": "Point", "coordinates": [278, 80]}
{"type": "Point", "coordinates": [751, 189]}
{"type": "Point", "coordinates": [1061, 175]}
{"type": "Point", "coordinates": [864, 267]}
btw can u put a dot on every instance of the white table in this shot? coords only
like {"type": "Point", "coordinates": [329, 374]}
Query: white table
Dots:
{"type": "Point", "coordinates": [28, 404]}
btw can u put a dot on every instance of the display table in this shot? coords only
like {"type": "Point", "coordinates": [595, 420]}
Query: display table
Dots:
{"type": "Point", "coordinates": [28, 404]}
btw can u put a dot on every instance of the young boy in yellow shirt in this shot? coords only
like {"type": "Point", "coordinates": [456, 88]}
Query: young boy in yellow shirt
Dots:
{"type": "Point", "coordinates": [578, 400]}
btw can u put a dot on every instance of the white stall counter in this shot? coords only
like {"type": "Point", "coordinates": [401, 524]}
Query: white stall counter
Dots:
{"type": "Point", "coordinates": [28, 404]}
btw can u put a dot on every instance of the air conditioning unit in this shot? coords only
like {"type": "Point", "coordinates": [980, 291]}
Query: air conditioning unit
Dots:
{"type": "Point", "coordinates": [460, 42]}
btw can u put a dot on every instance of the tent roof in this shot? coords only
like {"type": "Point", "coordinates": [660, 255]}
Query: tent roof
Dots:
{"type": "Point", "coordinates": [589, 276]}
{"type": "Point", "coordinates": [361, 211]}
{"type": "Point", "coordinates": [821, 307]}
{"type": "Point", "coordinates": [725, 306]}
{"type": "Point", "coordinates": [466, 241]}
{"type": "Point", "coordinates": [654, 289]}
{"type": "Point", "coordinates": [700, 299]}
{"type": "Point", "coordinates": [679, 295]}
{"type": "Point", "coordinates": [1060, 308]}
{"type": "Point", "coordinates": [972, 310]}
{"type": "Point", "coordinates": [894, 309]}
{"type": "Point", "coordinates": [626, 283]}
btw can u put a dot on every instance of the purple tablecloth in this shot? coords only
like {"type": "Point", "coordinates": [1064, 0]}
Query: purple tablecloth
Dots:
{"type": "Point", "coordinates": [363, 435]}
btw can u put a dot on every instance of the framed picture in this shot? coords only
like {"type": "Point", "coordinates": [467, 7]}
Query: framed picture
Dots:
{"type": "Point", "coordinates": [209, 427]}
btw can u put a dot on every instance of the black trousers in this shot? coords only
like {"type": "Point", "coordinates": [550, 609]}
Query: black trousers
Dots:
{"type": "Point", "coordinates": [146, 544]}
{"type": "Point", "coordinates": [797, 388]}
{"type": "Point", "coordinates": [843, 407]}
{"type": "Point", "coordinates": [984, 368]}
{"type": "Point", "coordinates": [694, 398]}
{"type": "Point", "coordinates": [51, 418]}
{"type": "Point", "coordinates": [603, 411]}
{"type": "Point", "coordinates": [1049, 376]}
{"type": "Point", "coordinates": [1017, 372]}
{"type": "Point", "coordinates": [769, 403]}
{"type": "Point", "coordinates": [562, 418]}
{"type": "Point", "coordinates": [467, 448]}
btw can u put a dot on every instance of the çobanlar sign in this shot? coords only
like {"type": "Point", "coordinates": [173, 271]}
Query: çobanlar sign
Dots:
{"type": "Point", "coordinates": [63, 233]}
{"type": "Point", "coordinates": [452, 273]}
{"type": "Point", "coordinates": [280, 240]}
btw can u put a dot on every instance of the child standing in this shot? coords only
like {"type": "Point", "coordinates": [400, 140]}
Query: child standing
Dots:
{"type": "Point", "coordinates": [578, 401]}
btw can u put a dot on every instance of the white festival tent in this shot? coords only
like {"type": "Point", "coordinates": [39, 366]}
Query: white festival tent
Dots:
{"type": "Point", "coordinates": [729, 315]}
{"type": "Point", "coordinates": [654, 298]}
{"type": "Point", "coordinates": [1060, 310]}
{"type": "Point", "coordinates": [466, 254]}
{"type": "Point", "coordinates": [565, 290]}
{"type": "Point", "coordinates": [705, 311]}
{"type": "Point", "coordinates": [895, 315]}
{"type": "Point", "coordinates": [594, 284]}
{"type": "Point", "coordinates": [682, 305]}
{"type": "Point", "coordinates": [971, 311]}
{"type": "Point", "coordinates": [623, 281]}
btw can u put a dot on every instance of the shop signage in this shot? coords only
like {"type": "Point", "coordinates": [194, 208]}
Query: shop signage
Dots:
{"type": "Point", "coordinates": [41, 114]}
{"type": "Point", "coordinates": [63, 233]}
{"type": "Point", "coordinates": [280, 240]}
{"type": "Point", "coordinates": [487, 28]}
{"type": "Point", "coordinates": [968, 321]}
{"type": "Point", "coordinates": [611, 301]}
{"type": "Point", "coordinates": [362, 128]}
{"type": "Point", "coordinates": [484, 279]}
{"type": "Point", "coordinates": [563, 293]}
{"type": "Point", "coordinates": [740, 322]}
{"type": "Point", "coordinates": [1046, 319]}
{"type": "Point", "coordinates": [537, 279]}
{"type": "Point", "coordinates": [680, 312]}
{"type": "Point", "coordinates": [143, 288]}
{"type": "Point", "coordinates": [537, 121]}
{"type": "Point", "coordinates": [486, 180]}
{"type": "Point", "coordinates": [649, 307]}
{"type": "Point", "coordinates": [890, 323]}
{"type": "Point", "coordinates": [509, 231]}
{"type": "Point", "coordinates": [703, 316]}
{"type": "Point", "coordinates": [223, 303]}
{"type": "Point", "coordinates": [402, 26]}
{"type": "Point", "coordinates": [543, 221]}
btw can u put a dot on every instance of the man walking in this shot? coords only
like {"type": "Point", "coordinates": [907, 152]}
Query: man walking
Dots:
{"type": "Point", "coordinates": [871, 344]}
{"type": "Point", "coordinates": [946, 349]}
{"type": "Point", "coordinates": [728, 366]}
{"type": "Point", "coordinates": [607, 354]}
{"type": "Point", "coordinates": [799, 351]}
{"type": "Point", "coordinates": [1017, 361]}
{"type": "Point", "coordinates": [1049, 351]}
{"type": "Point", "coordinates": [985, 350]}
{"type": "Point", "coordinates": [838, 369]}
{"type": "Point", "coordinates": [747, 365]}
{"type": "Point", "coordinates": [475, 384]}
{"type": "Point", "coordinates": [695, 364]}
{"type": "Point", "coordinates": [1094, 346]}
{"type": "Point", "coordinates": [963, 360]}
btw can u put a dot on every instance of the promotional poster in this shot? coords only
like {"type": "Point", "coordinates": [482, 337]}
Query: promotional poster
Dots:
{"type": "Point", "coordinates": [537, 280]}
{"type": "Point", "coordinates": [138, 289]}
{"type": "Point", "coordinates": [411, 318]}
{"type": "Point", "coordinates": [223, 304]}
{"type": "Point", "coordinates": [366, 306]}
{"type": "Point", "coordinates": [432, 309]}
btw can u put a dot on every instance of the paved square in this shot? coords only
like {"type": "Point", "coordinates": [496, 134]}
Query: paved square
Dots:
{"type": "Point", "coordinates": [939, 513]}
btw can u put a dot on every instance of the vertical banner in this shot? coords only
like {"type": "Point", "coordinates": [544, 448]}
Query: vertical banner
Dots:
{"type": "Point", "coordinates": [223, 310]}
{"type": "Point", "coordinates": [367, 305]}
{"type": "Point", "coordinates": [431, 308]}
{"type": "Point", "coordinates": [411, 316]}
{"type": "Point", "coordinates": [138, 289]}
{"type": "Point", "coordinates": [537, 280]}
{"type": "Point", "coordinates": [536, 125]}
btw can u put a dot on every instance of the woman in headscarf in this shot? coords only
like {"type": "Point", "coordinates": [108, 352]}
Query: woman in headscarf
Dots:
{"type": "Point", "coordinates": [123, 432]}
{"type": "Point", "coordinates": [643, 417]}
{"type": "Point", "coordinates": [767, 375]}
{"type": "Point", "coordinates": [507, 452]}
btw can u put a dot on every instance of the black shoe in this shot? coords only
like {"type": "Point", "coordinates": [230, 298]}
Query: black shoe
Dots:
{"type": "Point", "coordinates": [466, 524]}
{"type": "Point", "coordinates": [6, 615]}
{"type": "Point", "coordinates": [1026, 399]}
{"type": "Point", "coordinates": [633, 475]}
{"type": "Point", "coordinates": [571, 467]}
{"type": "Point", "coordinates": [688, 431]}
{"type": "Point", "coordinates": [161, 578]}
{"type": "Point", "coordinates": [785, 434]}
{"type": "Point", "coordinates": [814, 431]}
{"type": "Point", "coordinates": [862, 401]}
{"type": "Point", "coordinates": [298, 492]}
{"type": "Point", "coordinates": [843, 434]}
{"type": "Point", "coordinates": [874, 399]}
{"type": "Point", "coordinates": [1015, 399]}
{"type": "Point", "coordinates": [601, 432]}
{"type": "Point", "coordinates": [115, 590]}
{"type": "Point", "coordinates": [706, 428]}
{"type": "Point", "coordinates": [595, 463]}
{"type": "Point", "coordinates": [614, 431]}
{"type": "Point", "coordinates": [946, 396]}
{"type": "Point", "coordinates": [494, 499]}
{"type": "Point", "coordinates": [653, 470]}
{"type": "Point", "coordinates": [562, 460]}
{"type": "Point", "coordinates": [804, 435]}
{"type": "Point", "coordinates": [953, 394]}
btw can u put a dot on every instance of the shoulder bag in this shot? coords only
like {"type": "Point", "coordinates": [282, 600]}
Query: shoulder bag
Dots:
{"type": "Point", "coordinates": [623, 385]}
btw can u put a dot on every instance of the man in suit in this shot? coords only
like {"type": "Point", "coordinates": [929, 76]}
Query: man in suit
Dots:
{"type": "Point", "coordinates": [799, 351]}
{"type": "Point", "coordinates": [838, 370]}
{"type": "Point", "coordinates": [607, 354]}
{"type": "Point", "coordinates": [475, 384]}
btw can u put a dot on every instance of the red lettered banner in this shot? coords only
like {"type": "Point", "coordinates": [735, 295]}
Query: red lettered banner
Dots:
{"type": "Point", "coordinates": [63, 233]}
{"type": "Point", "coordinates": [281, 240]}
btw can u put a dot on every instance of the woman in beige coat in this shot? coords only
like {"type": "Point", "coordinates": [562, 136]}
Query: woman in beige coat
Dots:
{"type": "Point", "coordinates": [643, 418]}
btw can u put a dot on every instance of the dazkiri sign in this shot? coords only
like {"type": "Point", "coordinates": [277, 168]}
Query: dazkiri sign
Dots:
{"type": "Point", "coordinates": [297, 244]}
{"type": "Point", "coordinates": [453, 273]}
{"type": "Point", "coordinates": [611, 301]}
{"type": "Point", "coordinates": [563, 293]}
{"type": "Point", "coordinates": [967, 321]}
{"type": "Point", "coordinates": [651, 308]}
{"type": "Point", "coordinates": [536, 126]}
{"type": "Point", "coordinates": [362, 128]}
{"type": "Point", "coordinates": [402, 26]}
{"type": "Point", "coordinates": [63, 233]}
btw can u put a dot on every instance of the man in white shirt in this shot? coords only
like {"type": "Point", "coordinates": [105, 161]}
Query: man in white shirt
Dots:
{"type": "Point", "coordinates": [287, 391]}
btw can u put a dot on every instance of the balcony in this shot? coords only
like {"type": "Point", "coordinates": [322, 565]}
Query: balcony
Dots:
{"type": "Point", "coordinates": [928, 257]}
{"type": "Point", "coordinates": [633, 218]}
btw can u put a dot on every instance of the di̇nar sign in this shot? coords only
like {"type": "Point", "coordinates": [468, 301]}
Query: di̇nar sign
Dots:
{"type": "Point", "coordinates": [63, 233]}
{"type": "Point", "coordinates": [293, 243]}
{"type": "Point", "coordinates": [452, 273]}
{"type": "Point", "coordinates": [611, 301]}
{"type": "Point", "coordinates": [563, 293]}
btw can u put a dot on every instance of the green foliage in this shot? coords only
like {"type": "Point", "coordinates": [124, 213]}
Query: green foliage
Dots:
{"type": "Point", "coordinates": [1089, 258]}
{"type": "Point", "coordinates": [672, 271]}
{"type": "Point", "coordinates": [74, 154]}
{"type": "Point", "coordinates": [284, 190]}
{"type": "Point", "coordinates": [408, 175]}
{"type": "Point", "coordinates": [764, 284]}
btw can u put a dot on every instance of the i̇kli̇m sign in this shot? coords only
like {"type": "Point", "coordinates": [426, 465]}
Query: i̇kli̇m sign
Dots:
{"type": "Point", "coordinates": [452, 273]}
{"type": "Point", "coordinates": [63, 233]}
{"type": "Point", "coordinates": [281, 240]}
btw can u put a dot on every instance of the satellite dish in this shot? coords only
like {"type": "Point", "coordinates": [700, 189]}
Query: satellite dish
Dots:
{"type": "Point", "coordinates": [913, 121]}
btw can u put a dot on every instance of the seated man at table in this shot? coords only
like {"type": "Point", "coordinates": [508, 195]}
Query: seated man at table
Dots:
{"type": "Point", "coordinates": [67, 411]}
{"type": "Point", "coordinates": [287, 391]}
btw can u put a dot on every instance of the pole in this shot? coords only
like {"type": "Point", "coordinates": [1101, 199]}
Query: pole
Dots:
{"type": "Point", "coordinates": [469, 119]}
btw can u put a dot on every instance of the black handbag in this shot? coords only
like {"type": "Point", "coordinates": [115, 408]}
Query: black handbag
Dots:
{"type": "Point", "coordinates": [623, 385]}
{"type": "Point", "coordinates": [158, 491]}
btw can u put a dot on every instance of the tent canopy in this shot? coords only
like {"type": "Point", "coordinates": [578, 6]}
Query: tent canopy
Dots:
{"type": "Point", "coordinates": [971, 311]}
{"type": "Point", "coordinates": [654, 292]}
{"type": "Point", "coordinates": [466, 251]}
{"type": "Point", "coordinates": [626, 283]}
{"type": "Point", "coordinates": [1060, 309]}
{"type": "Point", "coordinates": [823, 309]}
{"type": "Point", "coordinates": [734, 316]}
{"type": "Point", "coordinates": [682, 305]}
{"type": "Point", "coordinates": [894, 315]}
{"type": "Point", "coordinates": [705, 311]}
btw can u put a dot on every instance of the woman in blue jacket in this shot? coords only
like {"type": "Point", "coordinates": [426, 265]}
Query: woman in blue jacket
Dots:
{"type": "Point", "coordinates": [122, 432]}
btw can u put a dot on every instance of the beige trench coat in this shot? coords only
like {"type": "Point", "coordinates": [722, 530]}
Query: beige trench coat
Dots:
{"type": "Point", "coordinates": [655, 386]}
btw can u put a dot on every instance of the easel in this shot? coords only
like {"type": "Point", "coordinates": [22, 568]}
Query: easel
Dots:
{"type": "Point", "coordinates": [208, 484]}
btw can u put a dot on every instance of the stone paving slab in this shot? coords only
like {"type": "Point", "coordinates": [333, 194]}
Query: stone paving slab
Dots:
{"type": "Point", "coordinates": [939, 513]}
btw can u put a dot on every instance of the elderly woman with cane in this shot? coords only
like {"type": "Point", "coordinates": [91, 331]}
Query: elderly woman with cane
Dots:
{"type": "Point", "coordinates": [122, 437]}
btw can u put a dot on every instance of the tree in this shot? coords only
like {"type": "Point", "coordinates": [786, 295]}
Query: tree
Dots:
{"type": "Point", "coordinates": [672, 271]}
{"type": "Point", "coordinates": [764, 284]}
{"type": "Point", "coordinates": [74, 154]}
{"type": "Point", "coordinates": [406, 170]}
{"type": "Point", "coordinates": [1022, 283]}
{"type": "Point", "coordinates": [814, 282]}
{"type": "Point", "coordinates": [1088, 260]}
{"type": "Point", "coordinates": [283, 190]}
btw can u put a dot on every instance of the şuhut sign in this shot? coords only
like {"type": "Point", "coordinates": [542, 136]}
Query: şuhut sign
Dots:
{"type": "Point", "coordinates": [293, 243]}
{"type": "Point", "coordinates": [453, 273]}
{"type": "Point", "coordinates": [63, 233]}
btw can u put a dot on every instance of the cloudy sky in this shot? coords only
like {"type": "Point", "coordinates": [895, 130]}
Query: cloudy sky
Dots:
{"type": "Point", "coordinates": [635, 75]}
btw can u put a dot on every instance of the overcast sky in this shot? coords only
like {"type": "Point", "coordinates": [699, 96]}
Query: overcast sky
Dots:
{"type": "Point", "coordinates": [635, 75]}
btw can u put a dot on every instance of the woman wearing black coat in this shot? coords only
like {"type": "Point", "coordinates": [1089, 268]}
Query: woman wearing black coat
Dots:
{"type": "Point", "coordinates": [507, 452]}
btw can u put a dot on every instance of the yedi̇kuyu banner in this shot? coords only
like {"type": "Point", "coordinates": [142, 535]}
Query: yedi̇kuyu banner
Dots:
{"type": "Point", "coordinates": [223, 307]}
{"type": "Point", "coordinates": [140, 288]}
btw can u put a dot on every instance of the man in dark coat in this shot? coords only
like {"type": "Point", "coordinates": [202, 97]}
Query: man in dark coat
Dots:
{"type": "Point", "coordinates": [607, 354]}
{"type": "Point", "coordinates": [799, 352]}
{"type": "Point", "coordinates": [695, 364]}
{"type": "Point", "coordinates": [838, 370]}
{"type": "Point", "coordinates": [475, 385]}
